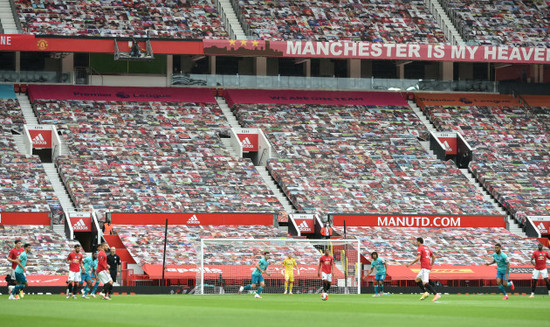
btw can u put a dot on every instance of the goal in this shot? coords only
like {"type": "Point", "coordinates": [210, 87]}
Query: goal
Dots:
{"type": "Point", "coordinates": [227, 264]}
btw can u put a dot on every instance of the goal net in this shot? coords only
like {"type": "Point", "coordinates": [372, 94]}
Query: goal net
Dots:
{"type": "Point", "coordinates": [227, 264]}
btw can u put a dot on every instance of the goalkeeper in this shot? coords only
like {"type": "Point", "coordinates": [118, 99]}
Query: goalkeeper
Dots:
{"type": "Point", "coordinates": [289, 263]}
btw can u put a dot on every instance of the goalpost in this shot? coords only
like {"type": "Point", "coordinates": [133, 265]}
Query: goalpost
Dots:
{"type": "Point", "coordinates": [227, 264]}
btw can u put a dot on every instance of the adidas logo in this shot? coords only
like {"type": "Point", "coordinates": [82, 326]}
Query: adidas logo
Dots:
{"type": "Point", "coordinates": [246, 143]}
{"type": "Point", "coordinates": [304, 227]}
{"type": "Point", "coordinates": [80, 225]}
{"type": "Point", "coordinates": [447, 146]}
{"type": "Point", "coordinates": [541, 228]}
{"type": "Point", "coordinates": [39, 139]}
{"type": "Point", "coordinates": [193, 220]}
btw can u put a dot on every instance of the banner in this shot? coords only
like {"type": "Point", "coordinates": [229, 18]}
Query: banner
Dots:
{"type": "Point", "coordinates": [314, 97]}
{"type": "Point", "coordinates": [376, 51]}
{"type": "Point", "coordinates": [41, 138]}
{"type": "Point", "coordinates": [437, 221]}
{"type": "Point", "coordinates": [249, 219]}
{"type": "Point", "coordinates": [304, 222]}
{"type": "Point", "coordinates": [24, 218]}
{"type": "Point", "coordinates": [21, 42]}
{"type": "Point", "coordinates": [41, 280]}
{"type": "Point", "coordinates": [449, 142]}
{"type": "Point", "coordinates": [81, 221]}
{"type": "Point", "coordinates": [230, 272]}
{"type": "Point", "coordinates": [465, 100]}
{"type": "Point", "coordinates": [113, 93]}
{"type": "Point", "coordinates": [449, 272]}
{"type": "Point", "coordinates": [15, 42]}
{"type": "Point", "coordinates": [249, 142]}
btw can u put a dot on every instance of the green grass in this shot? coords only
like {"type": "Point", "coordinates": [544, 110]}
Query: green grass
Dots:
{"type": "Point", "coordinates": [276, 310]}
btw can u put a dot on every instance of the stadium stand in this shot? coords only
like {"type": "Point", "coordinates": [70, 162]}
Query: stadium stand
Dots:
{"type": "Point", "coordinates": [511, 150]}
{"type": "Point", "coordinates": [24, 185]}
{"type": "Point", "coordinates": [453, 246]}
{"type": "Point", "coordinates": [49, 251]}
{"type": "Point", "coordinates": [359, 158]}
{"type": "Point", "coordinates": [153, 157]}
{"type": "Point", "coordinates": [110, 18]}
{"type": "Point", "coordinates": [513, 23]}
{"type": "Point", "coordinates": [388, 21]}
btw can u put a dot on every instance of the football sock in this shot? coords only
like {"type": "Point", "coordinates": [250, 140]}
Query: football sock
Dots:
{"type": "Point", "coordinates": [421, 286]}
{"type": "Point", "coordinates": [69, 289]}
{"type": "Point", "coordinates": [259, 291]}
{"type": "Point", "coordinates": [502, 289]}
{"type": "Point", "coordinates": [286, 285]}
{"type": "Point", "coordinates": [430, 288]}
{"type": "Point", "coordinates": [86, 290]}
{"type": "Point", "coordinates": [96, 285]}
{"type": "Point", "coordinates": [290, 287]}
{"type": "Point", "coordinates": [328, 286]}
{"type": "Point", "coordinates": [382, 288]}
{"type": "Point", "coordinates": [375, 289]}
{"type": "Point", "coordinates": [17, 288]}
{"type": "Point", "coordinates": [534, 285]}
{"type": "Point", "coordinates": [548, 284]}
{"type": "Point", "coordinates": [75, 289]}
{"type": "Point", "coordinates": [247, 287]}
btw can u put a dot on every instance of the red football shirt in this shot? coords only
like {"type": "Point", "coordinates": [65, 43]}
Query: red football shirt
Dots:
{"type": "Point", "coordinates": [540, 259]}
{"type": "Point", "coordinates": [14, 255]}
{"type": "Point", "coordinates": [101, 261]}
{"type": "Point", "coordinates": [75, 259]}
{"type": "Point", "coordinates": [326, 264]}
{"type": "Point", "coordinates": [425, 257]}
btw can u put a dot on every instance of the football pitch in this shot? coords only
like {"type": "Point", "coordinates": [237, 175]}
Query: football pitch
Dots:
{"type": "Point", "coordinates": [276, 310]}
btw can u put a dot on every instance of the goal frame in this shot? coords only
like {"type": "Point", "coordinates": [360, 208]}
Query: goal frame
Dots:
{"type": "Point", "coordinates": [354, 242]}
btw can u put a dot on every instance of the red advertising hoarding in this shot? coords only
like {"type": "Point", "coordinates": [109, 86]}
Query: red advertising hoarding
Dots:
{"type": "Point", "coordinates": [314, 97]}
{"type": "Point", "coordinates": [17, 42]}
{"type": "Point", "coordinates": [249, 142]}
{"type": "Point", "coordinates": [449, 272]}
{"type": "Point", "coordinates": [24, 218]}
{"type": "Point", "coordinates": [42, 280]}
{"type": "Point", "coordinates": [41, 138]}
{"type": "Point", "coordinates": [81, 221]}
{"type": "Point", "coordinates": [199, 219]}
{"type": "Point", "coordinates": [115, 93]}
{"type": "Point", "coordinates": [229, 271]}
{"type": "Point", "coordinates": [438, 221]}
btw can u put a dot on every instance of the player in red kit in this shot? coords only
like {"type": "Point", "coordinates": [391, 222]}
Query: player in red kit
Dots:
{"type": "Point", "coordinates": [538, 259]}
{"type": "Point", "coordinates": [13, 256]}
{"type": "Point", "coordinates": [74, 259]}
{"type": "Point", "coordinates": [427, 259]}
{"type": "Point", "coordinates": [103, 272]}
{"type": "Point", "coordinates": [326, 266]}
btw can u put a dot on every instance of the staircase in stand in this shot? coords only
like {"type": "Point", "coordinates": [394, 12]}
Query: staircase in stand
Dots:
{"type": "Point", "coordinates": [6, 17]}
{"type": "Point", "coordinates": [26, 108]}
{"type": "Point", "coordinates": [231, 22]}
{"type": "Point", "coordinates": [58, 187]}
{"type": "Point", "coordinates": [233, 122]}
{"type": "Point", "coordinates": [287, 205]}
